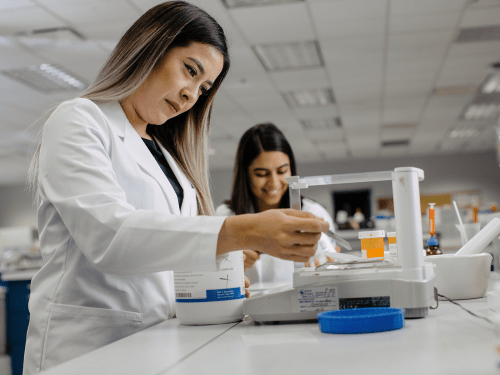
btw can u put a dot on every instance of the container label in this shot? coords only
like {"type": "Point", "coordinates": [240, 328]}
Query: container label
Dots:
{"type": "Point", "coordinates": [315, 299]}
{"type": "Point", "coordinates": [393, 253]}
{"type": "Point", "coordinates": [226, 284]}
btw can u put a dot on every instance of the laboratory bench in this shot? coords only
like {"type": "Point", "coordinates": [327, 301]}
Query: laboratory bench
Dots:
{"type": "Point", "coordinates": [447, 341]}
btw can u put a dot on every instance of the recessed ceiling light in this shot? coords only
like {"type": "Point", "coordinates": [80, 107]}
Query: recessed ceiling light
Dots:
{"type": "Point", "coordinates": [309, 98]}
{"type": "Point", "coordinates": [285, 56]}
{"type": "Point", "coordinates": [321, 124]}
{"type": "Point", "coordinates": [46, 78]}
{"type": "Point", "coordinates": [58, 37]}
{"type": "Point", "coordinates": [246, 3]}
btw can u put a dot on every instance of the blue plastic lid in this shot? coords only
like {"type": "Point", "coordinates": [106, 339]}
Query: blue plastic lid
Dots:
{"type": "Point", "coordinates": [362, 320]}
{"type": "Point", "coordinates": [432, 242]}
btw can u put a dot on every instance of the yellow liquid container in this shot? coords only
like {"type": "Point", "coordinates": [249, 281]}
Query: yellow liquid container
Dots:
{"type": "Point", "coordinates": [372, 243]}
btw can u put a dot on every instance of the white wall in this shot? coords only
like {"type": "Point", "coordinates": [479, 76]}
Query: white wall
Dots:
{"type": "Point", "coordinates": [443, 173]}
{"type": "Point", "coordinates": [16, 207]}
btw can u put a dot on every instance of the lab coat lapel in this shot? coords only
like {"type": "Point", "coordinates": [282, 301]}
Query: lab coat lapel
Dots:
{"type": "Point", "coordinates": [189, 206]}
{"type": "Point", "coordinates": [140, 152]}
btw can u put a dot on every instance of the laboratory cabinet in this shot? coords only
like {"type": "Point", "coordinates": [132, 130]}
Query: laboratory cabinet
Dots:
{"type": "Point", "coordinates": [17, 286]}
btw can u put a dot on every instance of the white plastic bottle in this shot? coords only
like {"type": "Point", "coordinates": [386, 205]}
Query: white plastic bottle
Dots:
{"type": "Point", "coordinates": [212, 297]}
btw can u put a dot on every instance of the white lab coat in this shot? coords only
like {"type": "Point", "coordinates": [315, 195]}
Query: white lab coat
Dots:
{"type": "Point", "coordinates": [110, 231]}
{"type": "Point", "coordinates": [269, 269]}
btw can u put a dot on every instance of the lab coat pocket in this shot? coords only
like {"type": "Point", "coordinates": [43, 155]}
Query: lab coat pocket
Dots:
{"type": "Point", "coordinates": [76, 330]}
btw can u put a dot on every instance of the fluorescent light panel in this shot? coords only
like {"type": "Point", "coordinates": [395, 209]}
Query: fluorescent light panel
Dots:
{"type": "Point", "coordinates": [246, 3]}
{"type": "Point", "coordinates": [321, 124]}
{"type": "Point", "coordinates": [46, 78]}
{"type": "Point", "coordinates": [285, 56]}
{"type": "Point", "coordinates": [309, 98]}
{"type": "Point", "coordinates": [482, 111]}
{"type": "Point", "coordinates": [399, 126]}
{"type": "Point", "coordinates": [491, 84]}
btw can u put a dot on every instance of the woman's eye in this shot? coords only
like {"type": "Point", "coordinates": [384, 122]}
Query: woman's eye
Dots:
{"type": "Point", "coordinates": [283, 172]}
{"type": "Point", "coordinates": [204, 91]}
{"type": "Point", "coordinates": [190, 69]}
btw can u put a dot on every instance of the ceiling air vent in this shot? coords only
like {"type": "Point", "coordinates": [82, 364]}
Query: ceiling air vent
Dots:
{"type": "Point", "coordinates": [399, 126]}
{"type": "Point", "coordinates": [393, 143]}
{"type": "Point", "coordinates": [246, 3]}
{"type": "Point", "coordinates": [478, 34]}
{"type": "Point", "coordinates": [447, 91]}
{"type": "Point", "coordinates": [286, 56]}
{"type": "Point", "coordinates": [321, 124]}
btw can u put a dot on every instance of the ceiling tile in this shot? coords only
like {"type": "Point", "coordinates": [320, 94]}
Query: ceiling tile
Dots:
{"type": "Point", "coordinates": [303, 79]}
{"type": "Point", "coordinates": [268, 25]}
{"type": "Point", "coordinates": [420, 40]}
{"type": "Point", "coordinates": [424, 22]}
{"type": "Point", "coordinates": [26, 20]}
{"type": "Point", "coordinates": [481, 17]}
{"type": "Point", "coordinates": [6, 5]}
{"type": "Point", "coordinates": [342, 29]}
{"type": "Point", "coordinates": [411, 7]}
{"type": "Point", "coordinates": [93, 11]}
{"type": "Point", "coordinates": [342, 10]}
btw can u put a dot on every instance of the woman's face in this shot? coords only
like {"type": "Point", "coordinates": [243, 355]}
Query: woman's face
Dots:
{"type": "Point", "coordinates": [267, 178]}
{"type": "Point", "coordinates": [175, 84]}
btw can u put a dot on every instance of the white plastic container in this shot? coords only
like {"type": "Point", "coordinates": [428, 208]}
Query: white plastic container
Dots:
{"type": "Point", "coordinates": [211, 297]}
{"type": "Point", "coordinates": [393, 247]}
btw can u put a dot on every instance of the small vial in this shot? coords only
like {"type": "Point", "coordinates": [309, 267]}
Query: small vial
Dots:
{"type": "Point", "coordinates": [393, 247]}
{"type": "Point", "coordinates": [433, 247]}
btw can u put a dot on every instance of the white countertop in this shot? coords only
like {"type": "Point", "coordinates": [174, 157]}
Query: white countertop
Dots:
{"type": "Point", "coordinates": [15, 275]}
{"type": "Point", "coordinates": [447, 341]}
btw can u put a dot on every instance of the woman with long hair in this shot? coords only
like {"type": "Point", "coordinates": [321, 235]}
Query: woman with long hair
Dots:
{"type": "Point", "coordinates": [121, 175]}
{"type": "Point", "coordinates": [263, 159]}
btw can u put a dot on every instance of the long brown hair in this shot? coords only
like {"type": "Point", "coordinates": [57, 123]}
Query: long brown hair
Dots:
{"type": "Point", "coordinates": [163, 27]}
{"type": "Point", "coordinates": [257, 139]}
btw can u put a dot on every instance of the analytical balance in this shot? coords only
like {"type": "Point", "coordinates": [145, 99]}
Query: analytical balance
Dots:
{"type": "Point", "coordinates": [409, 284]}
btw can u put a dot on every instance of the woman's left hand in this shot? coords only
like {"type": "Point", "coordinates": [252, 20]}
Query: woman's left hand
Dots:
{"type": "Point", "coordinates": [247, 285]}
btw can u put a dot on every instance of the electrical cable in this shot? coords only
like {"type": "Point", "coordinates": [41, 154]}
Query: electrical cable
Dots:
{"type": "Point", "coordinates": [470, 312]}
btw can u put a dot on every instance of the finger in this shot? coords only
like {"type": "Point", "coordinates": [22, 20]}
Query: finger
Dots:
{"type": "Point", "coordinates": [337, 249]}
{"type": "Point", "coordinates": [317, 262]}
{"type": "Point", "coordinates": [330, 260]}
{"type": "Point", "coordinates": [247, 293]}
{"type": "Point", "coordinates": [244, 256]}
{"type": "Point", "coordinates": [307, 264]}
{"type": "Point", "coordinates": [247, 282]}
{"type": "Point", "coordinates": [306, 238]}
{"type": "Point", "coordinates": [297, 213]}
{"type": "Point", "coordinates": [308, 225]}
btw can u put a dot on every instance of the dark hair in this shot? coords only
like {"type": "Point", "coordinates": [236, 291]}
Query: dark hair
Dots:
{"type": "Point", "coordinates": [259, 138]}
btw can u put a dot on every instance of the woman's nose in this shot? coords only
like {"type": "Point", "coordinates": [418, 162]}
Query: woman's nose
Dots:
{"type": "Point", "coordinates": [274, 181]}
{"type": "Point", "coordinates": [189, 93]}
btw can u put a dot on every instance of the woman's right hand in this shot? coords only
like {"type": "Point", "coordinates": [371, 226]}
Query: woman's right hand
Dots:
{"type": "Point", "coordinates": [284, 233]}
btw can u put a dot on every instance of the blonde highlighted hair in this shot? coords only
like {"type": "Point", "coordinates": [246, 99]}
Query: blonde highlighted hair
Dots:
{"type": "Point", "coordinates": [186, 136]}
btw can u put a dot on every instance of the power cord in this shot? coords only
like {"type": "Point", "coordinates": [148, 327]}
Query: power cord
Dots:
{"type": "Point", "coordinates": [436, 295]}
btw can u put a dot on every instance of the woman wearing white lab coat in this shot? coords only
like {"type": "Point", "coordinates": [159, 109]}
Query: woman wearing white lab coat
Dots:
{"type": "Point", "coordinates": [112, 223]}
{"type": "Point", "coordinates": [263, 159]}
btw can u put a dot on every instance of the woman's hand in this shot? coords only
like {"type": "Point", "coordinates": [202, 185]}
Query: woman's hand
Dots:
{"type": "Point", "coordinates": [251, 257]}
{"type": "Point", "coordinates": [287, 234]}
{"type": "Point", "coordinates": [247, 285]}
